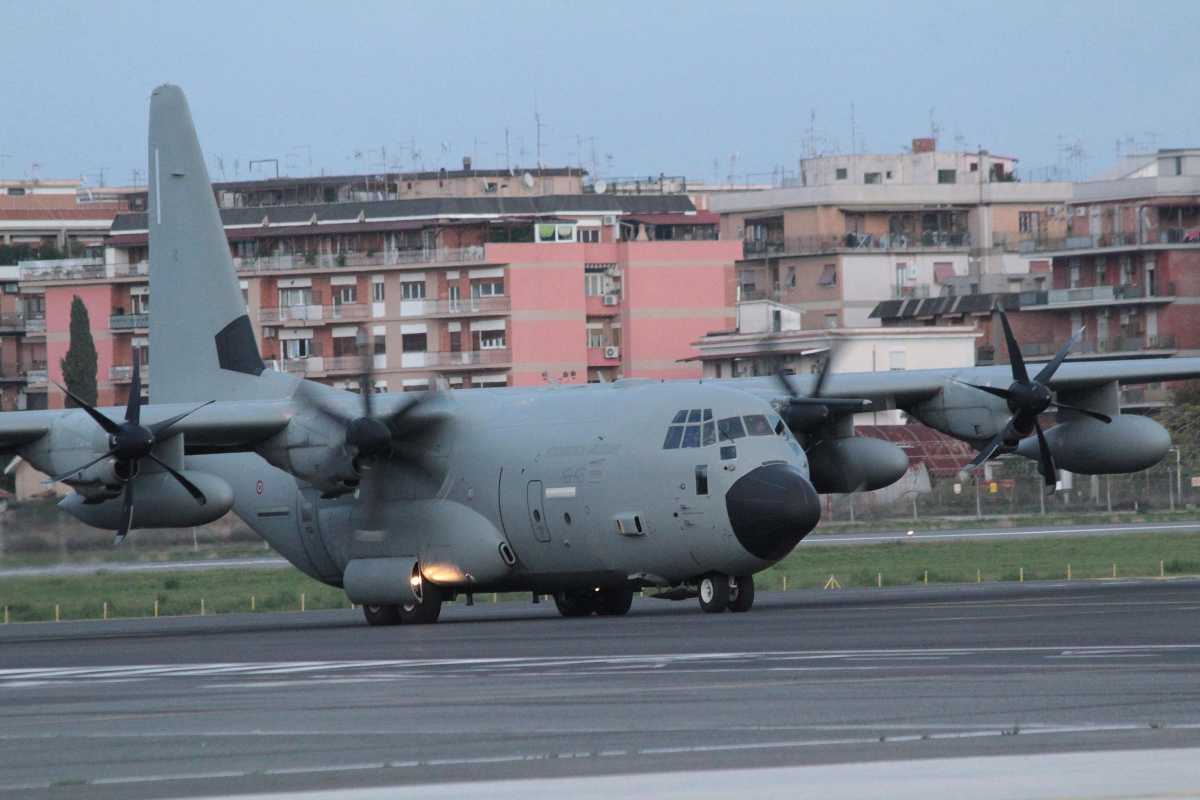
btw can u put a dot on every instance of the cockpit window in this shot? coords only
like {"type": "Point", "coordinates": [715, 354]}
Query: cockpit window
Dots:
{"type": "Point", "coordinates": [731, 428]}
{"type": "Point", "coordinates": [757, 425]}
{"type": "Point", "coordinates": [674, 434]}
{"type": "Point", "coordinates": [688, 430]}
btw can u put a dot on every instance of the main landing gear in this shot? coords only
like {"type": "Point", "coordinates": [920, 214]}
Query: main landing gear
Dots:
{"type": "Point", "coordinates": [719, 592]}
{"type": "Point", "coordinates": [605, 602]}
{"type": "Point", "coordinates": [424, 613]}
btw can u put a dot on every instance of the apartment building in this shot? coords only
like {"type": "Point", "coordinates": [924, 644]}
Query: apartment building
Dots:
{"type": "Point", "coordinates": [459, 292]}
{"type": "Point", "coordinates": [835, 248]}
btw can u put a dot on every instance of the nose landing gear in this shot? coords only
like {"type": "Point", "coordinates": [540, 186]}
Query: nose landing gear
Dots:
{"type": "Point", "coordinates": [719, 592]}
{"type": "Point", "coordinates": [611, 601]}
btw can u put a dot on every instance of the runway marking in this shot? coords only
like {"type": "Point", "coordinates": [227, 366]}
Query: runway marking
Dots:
{"type": "Point", "coordinates": [784, 744]}
{"type": "Point", "coordinates": [1106, 529]}
{"type": "Point", "coordinates": [565, 666]}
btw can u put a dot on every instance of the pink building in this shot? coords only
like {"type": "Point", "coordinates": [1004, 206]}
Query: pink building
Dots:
{"type": "Point", "coordinates": [442, 291]}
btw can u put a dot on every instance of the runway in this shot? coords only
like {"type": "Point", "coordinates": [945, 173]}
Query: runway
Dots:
{"type": "Point", "coordinates": [807, 683]}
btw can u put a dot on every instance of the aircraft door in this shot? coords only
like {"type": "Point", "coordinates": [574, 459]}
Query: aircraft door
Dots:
{"type": "Point", "coordinates": [310, 534]}
{"type": "Point", "coordinates": [537, 513]}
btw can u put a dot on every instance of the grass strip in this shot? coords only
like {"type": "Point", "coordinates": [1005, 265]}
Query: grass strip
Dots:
{"type": "Point", "coordinates": [223, 591]}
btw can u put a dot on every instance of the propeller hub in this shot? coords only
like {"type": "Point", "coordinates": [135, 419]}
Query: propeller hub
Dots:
{"type": "Point", "coordinates": [1029, 398]}
{"type": "Point", "coordinates": [370, 436]}
{"type": "Point", "coordinates": [131, 442]}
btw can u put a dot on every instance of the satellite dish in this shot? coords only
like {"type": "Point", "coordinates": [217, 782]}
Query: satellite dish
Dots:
{"type": "Point", "coordinates": [600, 187]}
{"type": "Point", "coordinates": [527, 181]}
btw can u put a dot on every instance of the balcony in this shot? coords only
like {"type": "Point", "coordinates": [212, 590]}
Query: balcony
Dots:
{"type": "Point", "coordinates": [1132, 343]}
{"type": "Point", "coordinates": [302, 314]}
{"type": "Point", "coordinates": [37, 376]}
{"type": "Point", "coordinates": [1153, 238]}
{"type": "Point", "coordinates": [311, 262]}
{"type": "Point", "coordinates": [123, 373]}
{"type": "Point", "coordinates": [854, 243]}
{"type": "Point", "coordinates": [60, 269]}
{"type": "Point", "coordinates": [604, 356]}
{"type": "Point", "coordinates": [917, 291]}
{"type": "Point", "coordinates": [468, 359]}
{"type": "Point", "coordinates": [604, 305]}
{"type": "Point", "coordinates": [471, 306]}
{"type": "Point", "coordinates": [35, 326]}
{"type": "Point", "coordinates": [128, 322]}
{"type": "Point", "coordinates": [1085, 296]}
{"type": "Point", "coordinates": [17, 323]}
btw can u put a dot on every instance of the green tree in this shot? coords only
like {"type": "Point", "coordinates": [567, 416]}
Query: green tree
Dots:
{"type": "Point", "coordinates": [79, 364]}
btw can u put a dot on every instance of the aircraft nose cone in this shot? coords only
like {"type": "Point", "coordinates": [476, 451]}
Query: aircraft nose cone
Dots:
{"type": "Point", "coordinates": [772, 508]}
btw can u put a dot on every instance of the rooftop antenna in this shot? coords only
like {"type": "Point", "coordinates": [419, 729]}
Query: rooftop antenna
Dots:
{"type": "Point", "coordinates": [220, 168]}
{"type": "Point", "coordinates": [853, 132]}
{"type": "Point", "coordinates": [935, 130]}
{"type": "Point", "coordinates": [507, 160]}
{"type": "Point", "coordinates": [537, 121]}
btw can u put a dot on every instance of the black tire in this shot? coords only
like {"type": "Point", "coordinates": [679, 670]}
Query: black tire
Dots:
{"type": "Point", "coordinates": [714, 593]}
{"type": "Point", "coordinates": [574, 604]}
{"type": "Point", "coordinates": [427, 611]}
{"type": "Point", "coordinates": [382, 615]}
{"type": "Point", "coordinates": [741, 594]}
{"type": "Point", "coordinates": [615, 601]}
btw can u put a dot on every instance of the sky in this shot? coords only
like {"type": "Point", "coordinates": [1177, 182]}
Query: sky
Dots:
{"type": "Point", "coordinates": [701, 89]}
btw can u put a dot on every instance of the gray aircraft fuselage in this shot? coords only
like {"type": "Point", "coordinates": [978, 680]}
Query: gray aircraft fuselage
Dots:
{"type": "Point", "coordinates": [575, 481]}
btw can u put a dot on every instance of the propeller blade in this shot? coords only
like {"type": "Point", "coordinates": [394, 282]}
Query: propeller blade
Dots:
{"type": "Point", "coordinates": [126, 514]}
{"type": "Point", "coordinates": [366, 386]}
{"type": "Point", "coordinates": [64, 475]}
{"type": "Point", "coordinates": [1046, 467]}
{"type": "Point", "coordinates": [986, 452]}
{"type": "Point", "coordinates": [184, 482]}
{"type": "Point", "coordinates": [101, 420]}
{"type": "Point", "coordinates": [159, 428]}
{"type": "Point", "coordinates": [1105, 418]}
{"type": "Point", "coordinates": [370, 495]}
{"type": "Point", "coordinates": [133, 408]}
{"type": "Point", "coordinates": [1002, 393]}
{"type": "Point", "coordinates": [787, 384]}
{"type": "Point", "coordinates": [822, 374]}
{"type": "Point", "coordinates": [1014, 350]}
{"type": "Point", "coordinates": [1047, 372]}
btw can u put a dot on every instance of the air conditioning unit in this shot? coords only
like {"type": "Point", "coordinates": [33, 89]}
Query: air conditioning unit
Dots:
{"type": "Point", "coordinates": [612, 352]}
{"type": "Point", "coordinates": [612, 299]}
{"type": "Point", "coordinates": [610, 219]}
{"type": "Point", "coordinates": [268, 333]}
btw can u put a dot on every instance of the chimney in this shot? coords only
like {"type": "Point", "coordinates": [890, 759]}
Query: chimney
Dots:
{"type": "Point", "coordinates": [925, 144]}
{"type": "Point", "coordinates": [467, 163]}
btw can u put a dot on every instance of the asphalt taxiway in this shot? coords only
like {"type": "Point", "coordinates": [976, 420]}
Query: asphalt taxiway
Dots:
{"type": "Point", "coordinates": [1043, 675]}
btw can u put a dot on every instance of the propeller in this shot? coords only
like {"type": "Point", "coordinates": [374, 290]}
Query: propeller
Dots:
{"type": "Point", "coordinates": [129, 442]}
{"type": "Point", "coordinates": [377, 439]}
{"type": "Point", "coordinates": [806, 412]}
{"type": "Point", "coordinates": [1028, 398]}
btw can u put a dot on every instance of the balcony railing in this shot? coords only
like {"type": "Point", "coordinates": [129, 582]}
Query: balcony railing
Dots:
{"type": "Point", "coordinates": [1127, 343]}
{"type": "Point", "coordinates": [62, 269]}
{"type": "Point", "coordinates": [1098, 241]}
{"type": "Point", "coordinates": [123, 373]}
{"type": "Point", "coordinates": [913, 292]}
{"type": "Point", "coordinates": [34, 325]}
{"type": "Point", "coordinates": [314, 313]}
{"type": "Point", "coordinates": [19, 322]}
{"type": "Point", "coordinates": [284, 263]}
{"type": "Point", "coordinates": [128, 322]}
{"type": "Point", "coordinates": [854, 242]}
{"type": "Point", "coordinates": [433, 359]}
{"type": "Point", "coordinates": [454, 308]}
{"type": "Point", "coordinates": [1095, 295]}
{"type": "Point", "coordinates": [37, 376]}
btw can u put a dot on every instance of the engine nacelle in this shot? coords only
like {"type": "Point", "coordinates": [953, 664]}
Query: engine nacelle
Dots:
{"type": "Point", "coordinates": [1090, 447]}
{"type": "Point", "coordinates": [160, 502]}
{"type": "Point", "coordinates": [854, 463]}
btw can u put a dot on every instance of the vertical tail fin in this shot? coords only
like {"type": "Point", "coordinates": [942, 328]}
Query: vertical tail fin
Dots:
{"type": "Point", "coordinates": [201, 343]}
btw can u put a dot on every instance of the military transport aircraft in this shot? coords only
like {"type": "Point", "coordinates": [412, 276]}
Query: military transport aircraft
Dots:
{"type": "Point", "coordinates": [408, 500]}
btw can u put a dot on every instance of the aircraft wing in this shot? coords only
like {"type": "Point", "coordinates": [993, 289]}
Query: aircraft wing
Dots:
{"type": "Point", "coordinates": [226, 426]}
{"type": "Point", "coordinates": [900, 388]}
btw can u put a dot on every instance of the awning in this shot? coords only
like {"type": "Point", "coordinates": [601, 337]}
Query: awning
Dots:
{"type": "Point", "coordinates": [1039, 265]}
{"type": "Point", "coordinates": [699, 218]}
{"type": "Point", "coordinates": [943, 271]}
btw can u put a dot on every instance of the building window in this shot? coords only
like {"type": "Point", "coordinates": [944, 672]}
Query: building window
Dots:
{"type": "Point", "coordinates": [828, 275]}
{"type": "Point", "coordinates": [412, 290]}
{"type": "Point", "coordinates": [1101, 270]}
{"type": "Point", "coordinates": [344, 346]}
{"type": "Point", "coordinates": [593, 284]}
{"type": "Point", "coordinates": [947, 176]}
{"type": "Point", "coordinates": [345, 295]}
{"type": "Point", "coordinates": [489, 340]}
{"type": "Point", "coordinates": [589, 235]}
{"type": "Point", "coordinates": [595, 337]}
{"type": "Point", "coordinates": [454, 297]}
{"type": "Point", "coordinates": [840, 173]}
{"type": "Point", "coordinates": [1075, 269]}
{"type": "Point", "coordinates": [295, 296]}
{"type": "Point", "coordinates": [377, 293]}
{"type": "Point", "coordinates": [974, 166]}
{"type": "Point", "coordinates": [488, 287]}
{"type": "Point", "coordinates": [297, 348]}
{"type": "Point", "coordinates": [379, 345]}
{"type": "Point", "coordinates": [872, 177]}
{"type": "Point", "coordinates": [791, 277]}
{"type": "Point", "coordinates": [455, 341]}
{"type": "Point", "coordinates": [896, 360]}
{"type": "Point", "coordinates": [409, 343]}
{"type": "Point", "coordinates": [1027, 221]}
{"type": "Point", "coordinates": [831, 320]}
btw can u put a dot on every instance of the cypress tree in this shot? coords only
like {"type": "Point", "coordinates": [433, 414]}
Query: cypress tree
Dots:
{"type": "Point", "coordinates": [79, 364]}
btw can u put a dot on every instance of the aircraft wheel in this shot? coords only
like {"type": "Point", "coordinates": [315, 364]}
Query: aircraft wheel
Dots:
{"type": "Point", "coordinates": [714, 593]}
{"type": "Point", "coordinates": [614, 602]}
{"type": "Point", "coordinates": [574, 604]}
{"type": "Point", "coordinates": [382, 615]}
{"type": "Point", "coordinates": [741, 593]}
{"type": "Point", "coordinates": [427, 611]}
